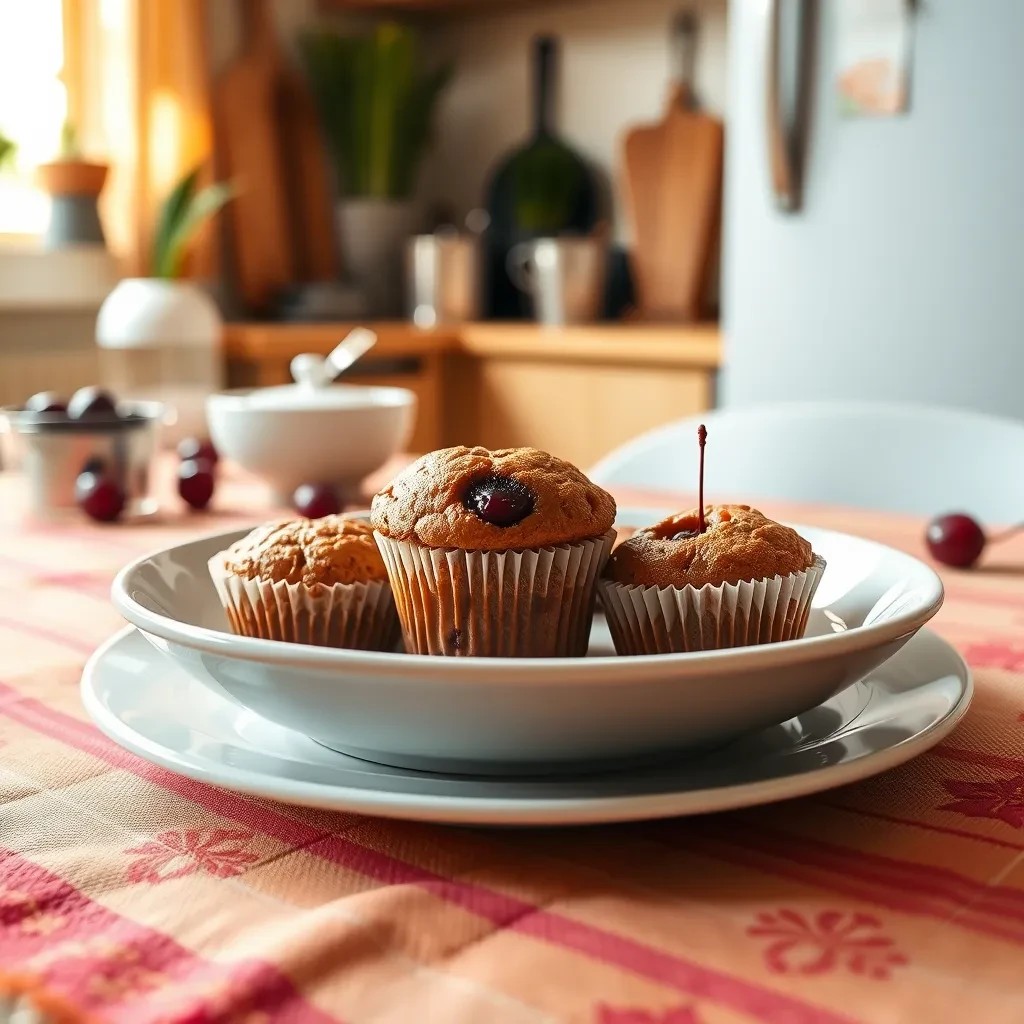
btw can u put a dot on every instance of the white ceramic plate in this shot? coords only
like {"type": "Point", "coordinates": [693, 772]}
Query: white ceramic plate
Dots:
{"type": "Point", "coordinates": [149, 705]}
{"type": "Point", "coordinates": [504, 715]}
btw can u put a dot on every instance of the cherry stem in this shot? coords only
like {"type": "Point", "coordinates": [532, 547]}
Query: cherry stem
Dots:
{"type": "Point", "coordinates": [995, 538]}
{"type": "Point", "coordinates": [702, 438]}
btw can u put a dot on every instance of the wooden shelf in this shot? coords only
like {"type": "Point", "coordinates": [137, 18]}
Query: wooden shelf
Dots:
{"type": "Point", "coordinates": [576, 391]}
{"type": "Point", "coordinates": [427, 7]}
{"type": "Point", "coordinates": [635, 344]}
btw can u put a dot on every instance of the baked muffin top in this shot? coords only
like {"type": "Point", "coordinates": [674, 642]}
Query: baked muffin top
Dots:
{"type": "Point", "coordinates": [739, 543]}
{"type": "Point", "coordinates": [310, 551]}
{"type": "Point", "coordinates": [480, 500]}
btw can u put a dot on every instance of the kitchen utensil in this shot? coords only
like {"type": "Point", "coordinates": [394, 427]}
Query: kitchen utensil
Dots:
{"type": "Point", "coordinates": [246, 98]}
{"type": "Point", "coordinates": [307, 180]}
{"type": "Point", "coordinates": [443, 273]}
{"type": "Point", "coordinates": [51, 450]}
{"type": "Point", "coordinates": [534, 715]}
{"type": "Point", "coordinates": [673, 179]}
{"type": "Point", "coordinates": [314, 370]}
{"type": "Point", "coordinates": [152, 707]}
{"type": "Point", "coordinates": [543, 188]}
{"type": "Point", "coordinates": [564, 277]}
{"type": "Point", "coordinates": [299, 434]}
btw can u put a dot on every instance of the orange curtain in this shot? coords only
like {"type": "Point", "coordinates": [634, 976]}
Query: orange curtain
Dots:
{"type": "Point", "coordinates": [139, 87]}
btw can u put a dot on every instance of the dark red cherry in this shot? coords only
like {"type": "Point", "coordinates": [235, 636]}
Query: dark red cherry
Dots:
{"type": "Point", "coordinates": [91, 403]}
{"type": "Point", "coordinates": [46, 401]}
{"type": "Point", "coordinates": [955, 539]}
{"type": "Point", "coordinates": [314, 501]}
{"type": "Point", "coordinates": [499, 500]}
{"type": "Point", "coordinates": [99, 497]}
{"type": "Point", "coordinates": [196, 482]}
{"type": "Point", "coordinates": [198, 448]}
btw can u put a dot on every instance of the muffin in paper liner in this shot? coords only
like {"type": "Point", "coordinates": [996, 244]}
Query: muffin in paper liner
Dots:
{"type": "Point", "coordinates": [360, 615]}
{"type": "Point", "coordinates": [674, 620]}
{"type": "Point", "coordinates": [535, 603]}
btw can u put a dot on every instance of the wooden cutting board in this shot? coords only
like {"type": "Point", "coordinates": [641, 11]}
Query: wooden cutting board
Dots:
{"type": "Point", "coordinates": [308, 183]}
{"type": "Point", "coordinates": [673, 188]}
{"type": "Point", "coordinates": [268, 143]}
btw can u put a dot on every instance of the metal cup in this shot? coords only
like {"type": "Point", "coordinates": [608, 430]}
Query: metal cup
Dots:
{"type": "Point", "coordinates": [444, 278]}
{"type": "Point", "coordinates": [51, 450]}
{"type": "Point", "coordinates": [564, 277]}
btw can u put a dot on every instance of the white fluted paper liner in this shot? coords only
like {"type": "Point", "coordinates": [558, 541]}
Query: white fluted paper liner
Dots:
{"type": "Point", "coordinates": [536, 603]}
{"type": "Point", "coordinates": [672, 620]}
{"type": "Point", "coordinates": [361, 616]}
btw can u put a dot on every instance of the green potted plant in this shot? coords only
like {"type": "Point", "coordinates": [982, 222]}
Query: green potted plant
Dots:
{"type": "Point", "coordinates": [8, 151]}
{"type": "Point", "coordinates": [74, 185]}
{"type": "Point", "coordinates": [160, 335]}
{"type": "Point", "coordinates": [376, 102]}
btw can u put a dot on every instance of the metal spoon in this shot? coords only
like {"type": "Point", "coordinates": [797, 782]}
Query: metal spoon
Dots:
{"type": "Point", "coordinates": [315, 371]}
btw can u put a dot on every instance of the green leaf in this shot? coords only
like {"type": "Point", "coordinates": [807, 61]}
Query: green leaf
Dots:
{"type": "Point", "coordinates": [200, 208]}
{"type": "Point", "coordinates": [170, 215]}
{"type": "Point", "coordinates": [375, 103]}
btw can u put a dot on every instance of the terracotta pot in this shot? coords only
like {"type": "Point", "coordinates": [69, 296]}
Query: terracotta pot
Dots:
{"type": "Point", "coordinates": [72, 178]}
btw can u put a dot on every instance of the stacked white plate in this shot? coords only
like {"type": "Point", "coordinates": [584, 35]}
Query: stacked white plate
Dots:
{"type": "Point", "coordinates": [524, 741]}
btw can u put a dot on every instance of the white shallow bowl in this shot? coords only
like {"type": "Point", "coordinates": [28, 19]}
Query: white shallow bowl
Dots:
{"type": "Point", "coordinates": [504, 715]}
{"type": "Point", "coordinates": [294, 435]}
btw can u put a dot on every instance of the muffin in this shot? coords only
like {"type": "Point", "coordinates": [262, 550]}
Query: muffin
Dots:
{"type": "Point", "coordinates": [308, 581]}
{"type": "Point", "coordinates": [494, 554]}
{"type": "Point", "coordinates": [744, 580]}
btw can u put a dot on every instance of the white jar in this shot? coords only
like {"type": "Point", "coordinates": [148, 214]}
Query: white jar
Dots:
{"type": "Point", "coordinates": [161, 340]}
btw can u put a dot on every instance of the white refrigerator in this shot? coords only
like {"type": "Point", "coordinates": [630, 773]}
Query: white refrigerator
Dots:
{"type": "Point", "coordinates": [882, 257]}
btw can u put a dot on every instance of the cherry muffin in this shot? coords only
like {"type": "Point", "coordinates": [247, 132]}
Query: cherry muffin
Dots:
{"type": "Point", "coordinates": [308, 581]}
{"type": "Point", "coordinates": [729, 578]}
{"type": "Point", "coordinates": [494, 553]}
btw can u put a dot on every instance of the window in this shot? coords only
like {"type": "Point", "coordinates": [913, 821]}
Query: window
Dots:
{"type": "Point", "coordinates": [33, 106]}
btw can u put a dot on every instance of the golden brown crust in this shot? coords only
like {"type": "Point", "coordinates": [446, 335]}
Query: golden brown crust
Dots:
{"type": "Point", "coordinates": [739, 544]}
{"type": "Point", "coordinates": [310, 551]}
{"type": "Point", "coordinates": [425, 503]}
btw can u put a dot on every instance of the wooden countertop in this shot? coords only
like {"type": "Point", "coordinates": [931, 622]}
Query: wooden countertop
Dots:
{"type": "Point", "coordinates": [680, 345]}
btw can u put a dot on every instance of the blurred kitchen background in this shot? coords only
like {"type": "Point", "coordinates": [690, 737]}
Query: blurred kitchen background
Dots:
{"type": "Point", "coordinates": [568, 221]}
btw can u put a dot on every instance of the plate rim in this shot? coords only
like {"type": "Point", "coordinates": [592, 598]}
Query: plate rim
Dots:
{"type": "Point", "coordinates": [456, 810]}
{"type": "Point", "coordinates": [604, 668]}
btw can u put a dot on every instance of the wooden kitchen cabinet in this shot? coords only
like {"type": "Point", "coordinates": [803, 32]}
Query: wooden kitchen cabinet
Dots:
{"type": "Point", "coordinates": [577, 391]}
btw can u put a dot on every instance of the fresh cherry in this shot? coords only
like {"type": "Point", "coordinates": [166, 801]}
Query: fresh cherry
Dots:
{"type": "Point", "coordinates": [99, 496]}
{"type": "Point", "coordinates": [499, 500]}
{"type": "Point", "coordinates": [955, 539]}
{"type": "Point", "coordinates": [198, 448]}
{"type": "Point", "coordinates": [46, 401]}
{"type": "Point", "coordinates": [314, 501]}
{"type": "Point", "coordinates": [196, 482]}
{"type": "Point", "coordinates": [91, 403]}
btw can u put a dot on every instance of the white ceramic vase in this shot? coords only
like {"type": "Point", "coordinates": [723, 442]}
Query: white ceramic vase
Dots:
{"type": "Point", "coordinates": [160, 339]}
{"type": "Point", "coordinates": [372, 235]}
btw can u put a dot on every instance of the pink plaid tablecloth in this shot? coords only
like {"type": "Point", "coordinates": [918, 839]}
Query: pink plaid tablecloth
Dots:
{"type": "Point", "coordinates": [129, 894]}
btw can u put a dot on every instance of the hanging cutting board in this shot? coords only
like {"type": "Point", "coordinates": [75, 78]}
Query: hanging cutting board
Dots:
{"type": "Point", "coordinates": [673, 187]}
{"type": "Point", "coordinates": [281, 220]}
{"type": "Point", "coordinates": [308, 183]}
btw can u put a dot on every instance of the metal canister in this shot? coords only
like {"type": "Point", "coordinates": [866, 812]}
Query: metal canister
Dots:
{"type": "Point", "coordinates": [443, 275]}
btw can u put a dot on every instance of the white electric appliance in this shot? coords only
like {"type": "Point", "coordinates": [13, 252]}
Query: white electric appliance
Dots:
{"type": "Point", "coordinates": [875, 257]}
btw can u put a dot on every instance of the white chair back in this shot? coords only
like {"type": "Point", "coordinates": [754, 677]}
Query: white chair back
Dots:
{"type": "Point", "coordinates": [918, 459]}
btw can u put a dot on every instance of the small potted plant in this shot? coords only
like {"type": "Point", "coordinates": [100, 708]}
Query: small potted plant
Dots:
{"type": "Point", "coordinates": [8, 150]}
{"type": "Point", "coordinates": [74, 185]}
{"type": "Point", "coordinates": [159, 336]}
{"type": "Point", "coordinates": [375, 101]}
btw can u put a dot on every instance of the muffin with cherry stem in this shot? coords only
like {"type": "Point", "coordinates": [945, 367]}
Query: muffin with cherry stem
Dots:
{"type": "Point", "coordinates": [712, 577]}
